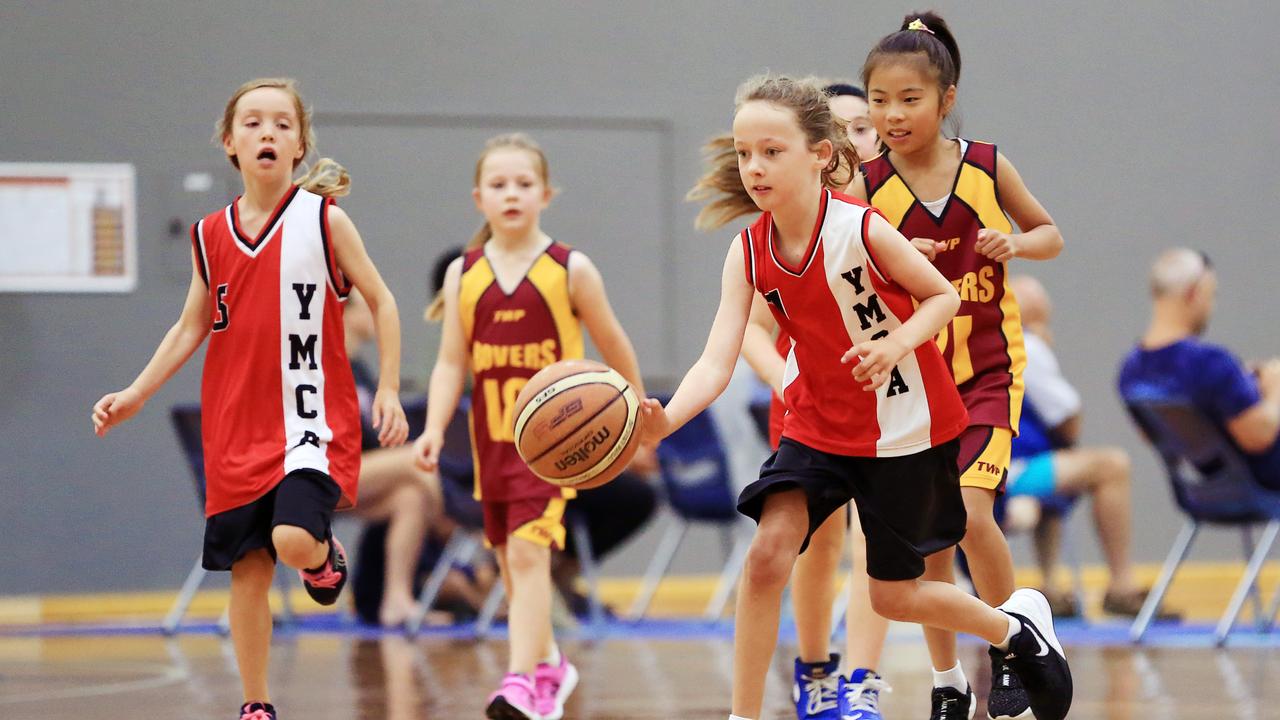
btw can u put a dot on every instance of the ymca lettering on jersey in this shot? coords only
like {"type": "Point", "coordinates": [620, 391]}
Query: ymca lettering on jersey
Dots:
{"type": "Point", "coordinates": [510, 336]}
{"type": "Point", "coordinates": [835, 298]}
{"type": "Point", "coordinates": [983, 343]}
{"type": "Point", "coordinates": [278, 393]}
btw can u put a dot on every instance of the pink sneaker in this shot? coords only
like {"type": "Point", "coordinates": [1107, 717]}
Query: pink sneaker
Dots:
{"type": "Point", "coordinates": [514, 700]}
{"type": "Point", "coordinates": [552, 685]}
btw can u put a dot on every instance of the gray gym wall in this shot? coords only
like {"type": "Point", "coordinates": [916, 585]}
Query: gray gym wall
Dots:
{"type": "Point", "coordinates": [1139, 125]}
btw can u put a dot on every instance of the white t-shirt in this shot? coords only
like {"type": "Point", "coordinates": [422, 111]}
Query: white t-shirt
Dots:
{"type": "Point", "coordinates": [1054, 399]}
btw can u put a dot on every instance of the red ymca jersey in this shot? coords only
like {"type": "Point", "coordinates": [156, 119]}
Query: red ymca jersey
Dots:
{"type": "Point", "coordinates": [278, 394]}
{"type": "Point", "coordinates": [510, 335]}
{"type": "Point", "coordinates": [835, 298]}
{"type": "Point", "coordinates": [983, 343]}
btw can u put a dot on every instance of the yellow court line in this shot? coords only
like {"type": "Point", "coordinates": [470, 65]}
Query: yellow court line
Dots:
{"type": "Point", "coordinates": [1200, 591]}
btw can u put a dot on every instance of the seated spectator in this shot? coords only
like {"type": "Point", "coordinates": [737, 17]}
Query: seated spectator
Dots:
{"type": "Point", "coordinates": [392, 489]}
{"type": "Point", "coordinates": [1173, 363]}
{"type": "Point", "coordinates": [614, 512]}
{"type": "Point", "coordinates": [1049, 463]}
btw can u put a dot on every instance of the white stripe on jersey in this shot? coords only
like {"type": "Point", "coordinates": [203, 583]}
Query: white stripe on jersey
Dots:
{"type": "Point", "coordinates": [844, 251]}
{"type": "Point", "coordinates": [306, 431]}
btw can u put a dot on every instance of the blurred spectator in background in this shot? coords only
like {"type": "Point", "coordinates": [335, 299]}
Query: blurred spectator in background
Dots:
{"type": "Point", "coordinates": [1173, 363]}
{"type": "Point", "coordinates": [1050, 466]}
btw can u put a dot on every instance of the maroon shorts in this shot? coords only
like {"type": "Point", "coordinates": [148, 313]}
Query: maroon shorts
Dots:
{"type": "Point", "coordinates": [538, 520]}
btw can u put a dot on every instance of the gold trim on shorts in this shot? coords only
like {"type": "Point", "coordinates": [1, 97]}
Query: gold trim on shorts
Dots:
{"type": "Point", "coordinates": [991, 466]}
{"type": "Point", "coordinates": [547, 530]}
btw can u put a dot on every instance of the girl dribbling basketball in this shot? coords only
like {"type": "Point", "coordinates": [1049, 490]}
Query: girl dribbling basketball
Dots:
{"type": "Point", "coordinates": [514, 303]}
{"type": "Point", "coordinates": [854, 296]}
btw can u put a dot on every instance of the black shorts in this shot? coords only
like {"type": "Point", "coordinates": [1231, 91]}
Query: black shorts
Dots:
{"type": "Point", "coordinates": [910, 506]}
{"type": "Point", "coordinates": [304, 498]}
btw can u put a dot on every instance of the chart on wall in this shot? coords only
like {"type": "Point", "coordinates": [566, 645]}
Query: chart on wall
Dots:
{"type": "Point", "coordinates": [67, 227]}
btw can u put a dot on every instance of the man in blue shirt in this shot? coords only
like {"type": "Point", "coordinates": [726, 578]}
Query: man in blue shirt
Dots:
{"type": "Point", "coordinates": [1173, 363]}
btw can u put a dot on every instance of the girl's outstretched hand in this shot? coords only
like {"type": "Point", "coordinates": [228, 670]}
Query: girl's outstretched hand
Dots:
{"type": "Point", "coordinates": [655, 424]}
{"type": "Point", "coordinates": [114, 408]}
{"type": "Point", "coordinates": [388, 418]}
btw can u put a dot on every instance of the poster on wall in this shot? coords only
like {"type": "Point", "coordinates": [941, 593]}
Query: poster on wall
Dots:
{"type": "Point", "coordinates": [68, 227]}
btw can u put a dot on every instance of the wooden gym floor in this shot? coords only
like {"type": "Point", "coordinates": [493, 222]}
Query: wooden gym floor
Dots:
{"type": "Point", "coordinates": [680, 672]}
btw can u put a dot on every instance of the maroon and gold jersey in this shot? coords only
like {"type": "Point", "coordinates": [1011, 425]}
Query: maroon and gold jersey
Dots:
{"type": "Point", "coordinates": [983, 344]}
{"type": "Point", "coordinates": [510, 335]}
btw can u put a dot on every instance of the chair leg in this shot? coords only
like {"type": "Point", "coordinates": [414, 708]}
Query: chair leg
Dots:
{"type": "Point", "coordinates": [1273, 610]}
{"type": "Point", "coordinates": [658, 566]}
{"type": "Point", "coordinates": [484, 623]}
{"type": "Point", "coordinates": [1255, 593]}
{"type": "Point", "coordinates": [287, 616]}
{"type": "Point", "coordinates": [590, 572]}
{"type": "Point", "coordinates": [840, 607]}
{"type": "Point", "coordinates": [1246, 583]}
{"type": "Point", "coordinates": [460, 544]}
{"type": "Point", "coordinates": [1177, 554]}
{"type": "Point", "coordinates": [728, 578]}
{"type": "Point", "coordinates": [181, 603]}
{"type": "Point", "coordinates": [1073, 562]}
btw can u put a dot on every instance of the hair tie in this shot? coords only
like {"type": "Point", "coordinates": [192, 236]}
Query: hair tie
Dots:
{"type": "Point", "coordinates": [918, 24]}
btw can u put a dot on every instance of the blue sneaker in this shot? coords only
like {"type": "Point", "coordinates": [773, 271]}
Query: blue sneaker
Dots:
{"type": "Point", "coordinates": [860, 695]}
{"type": "Point", "coordinates": [815, 689]}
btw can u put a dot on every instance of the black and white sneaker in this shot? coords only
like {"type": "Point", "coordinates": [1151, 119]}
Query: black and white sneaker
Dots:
{"type": "Point", "coordinates": [951, 704]}
{"type": "Point", "coordinates": [1008, 699]}
{"type": "Point", "coordinates": [1036, 656]}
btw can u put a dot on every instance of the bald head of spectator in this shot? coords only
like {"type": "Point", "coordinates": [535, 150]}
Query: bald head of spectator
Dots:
{"type": "Point", "coordinates": [1033, 302]}
{"type": "Point", "coordinates": [1183, 288]}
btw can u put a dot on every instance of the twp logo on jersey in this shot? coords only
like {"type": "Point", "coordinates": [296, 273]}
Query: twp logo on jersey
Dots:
{"type": "Point", "coordinates": [870, 314]}
{"type": "Point", "coordinates": [950, 243]}
{"type": "Point", "coordinates": [508, 316]}
{"type": "Point", "coordinates": [986, 467]}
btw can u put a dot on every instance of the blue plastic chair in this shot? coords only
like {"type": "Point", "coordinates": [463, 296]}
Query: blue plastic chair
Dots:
{"type": "Point", "coordinates": [187, 426]}
{"type": "Point", "coordinates": [699, 489]}
{"type": "Point", "coordinates": [1213, 485]}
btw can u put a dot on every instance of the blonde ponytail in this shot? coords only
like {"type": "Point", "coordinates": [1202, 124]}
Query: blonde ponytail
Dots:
{"type": "Point", "coordinates": [721, 186]}
{"type": "Point", "coordinates": [326, 178]}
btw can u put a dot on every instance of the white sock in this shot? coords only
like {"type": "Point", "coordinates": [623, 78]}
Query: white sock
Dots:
{"type": "Point", "coordinates": [953, 678]}
{"type": "Point", "coordinates": [737, 717]}
{"type": "Point", "coordinates": [1014, 628]}
{"type": "Point", "coordinates": [553, 658]}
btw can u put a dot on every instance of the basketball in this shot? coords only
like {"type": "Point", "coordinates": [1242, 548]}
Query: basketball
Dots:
{"type": "Point", "coordinates": [577, 423]}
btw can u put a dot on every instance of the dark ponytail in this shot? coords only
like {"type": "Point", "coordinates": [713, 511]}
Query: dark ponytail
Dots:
{"type": "Point", "coordinates": [921, 33]}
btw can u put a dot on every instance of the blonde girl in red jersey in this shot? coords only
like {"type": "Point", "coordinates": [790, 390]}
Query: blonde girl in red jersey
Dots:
{"type": "Point", "coordinates": [954, 198]}
{"type": "Point", "coordinates": [515, 302]}
{"type": "Point", "coordinates": [816, 687]}
{"type": "Point", "coordinates": [872, 411]}
{"type": "Point", "coordinates": [281, 437]}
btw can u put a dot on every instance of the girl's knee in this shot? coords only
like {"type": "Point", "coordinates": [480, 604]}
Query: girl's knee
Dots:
{"type": "Point", "coordinates": [893, 600]}
{"type": "Point", "coordinates": [294, 546]}
{"type": "Point", "coordinates": [524, 557]}
{"type": "Point", "coordinates": [769, 563]}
